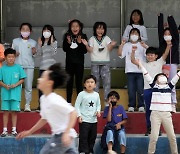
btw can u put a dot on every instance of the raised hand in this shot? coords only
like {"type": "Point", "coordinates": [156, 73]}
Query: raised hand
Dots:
{"type": "Point", "coordinates": [79, 40]}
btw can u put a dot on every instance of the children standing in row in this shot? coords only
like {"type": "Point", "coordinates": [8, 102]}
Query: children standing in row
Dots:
{"type": "Point", "coordinates": [134, 75]}
{"type": "Point", "coordinates": [25, 50]}
{"type": "Point", "coordinates": [99, 48]}
{"type": "Point", "coordinates": [75, 50]}
{"type": "Point", "coordinates": [11, 78]}
{"type": "Point", "coordinates": [47, 49]}
{"type": "Point", "coordinates": [57, 112]}
{"type": "Point", "coordinates": [88, 107]}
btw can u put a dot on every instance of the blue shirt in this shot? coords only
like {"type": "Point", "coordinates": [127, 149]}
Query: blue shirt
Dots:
{"type": "Point", "coordinates": [11, 75]}
{"type": "Point", "coordinates": [118, 114]}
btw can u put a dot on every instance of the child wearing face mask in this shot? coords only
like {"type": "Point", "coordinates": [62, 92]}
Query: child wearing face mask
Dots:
{"type": "Point", "coordinates": [153, 66]}
{"type": "Point", "coordinates": [134, 75]}
{"type": "Point", "coordinates": [99, 48]}
{"type": "Point", "coordinates": [170, 33]}
{"type": "Point", "coordinates": [47, 49]}
{"type": "Point", "coordinates": [25, 51]}
{"type": "Point", "coordinates": [75, 50]}
{"type": "Point", "coordinates": [161, 108]}
{"type": "Point", "coordinates": [114, 132]}
{"type": "Point", "coordinates": [136, 21]}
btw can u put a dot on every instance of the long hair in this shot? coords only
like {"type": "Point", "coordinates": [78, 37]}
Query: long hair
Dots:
{"type": "Point", "coordinates": [141, 21]}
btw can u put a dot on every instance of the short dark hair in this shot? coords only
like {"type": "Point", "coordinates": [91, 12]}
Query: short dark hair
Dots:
{"type": "Point", "coordinates": [9, 51]}
{"type": "Point", "coordinates": [99, 24]}
{"type": "Point", "coordinates": [27, 24]}
{"type": "Point", "coordinates": [58, 75]}
{"type": "Point", "coordinates": [152, 50]}
{"type": "Point", "coordinates": [155, 78]}
{"type": "Point", "coordinates": [90, 77]}
{"type": "Point", "coordinates": [141, 21]}
{"type": "Point", "coordinates": [113, 93]}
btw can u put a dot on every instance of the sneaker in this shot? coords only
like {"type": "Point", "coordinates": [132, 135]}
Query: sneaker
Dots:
{"type": "Point", "coordinates": [111, 152]}
{"type": "Point", "coordinates": [4, 134]}
{"type": "Point", "coordinates": [27, 108]}
{"type": "Point", "coordinates": [141, 109]}
{"type": "Point", "coordinates": [14, 133]}
{"type": "Point", "coordinates": [148, 131]}
{"type": "Point", "coordinates": [131, 109]}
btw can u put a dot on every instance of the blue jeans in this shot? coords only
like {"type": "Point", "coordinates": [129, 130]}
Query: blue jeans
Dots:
{"type": "Point", "coordinates": [121, 137]}
{"type": "Point", "coordinates": [55, 146]}
{"type": "Point", "coordinates": [147, 100]}
{"type": "Point", "coordinates": [135, 85]}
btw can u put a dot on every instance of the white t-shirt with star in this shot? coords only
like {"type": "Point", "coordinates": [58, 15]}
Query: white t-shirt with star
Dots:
{"type": "Point", "coordinates": [56, 111]}
{"type": "Point", "coordinates": [87, 104]}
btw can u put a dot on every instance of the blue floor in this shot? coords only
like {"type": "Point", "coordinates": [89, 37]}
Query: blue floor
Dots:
{"type": "Point", "coordinates": [136, 144]}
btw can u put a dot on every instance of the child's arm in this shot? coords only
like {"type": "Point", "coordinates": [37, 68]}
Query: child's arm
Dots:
{"type": "Point", "coordinates": [173, 28]}
{"type": "Point", "coordinates": [168, 47]}
{"type": "Point", "coordinates": [160, 28]}
{"type": "Point", "coordinates": [66, 139]}
{"type": "Point", "coordinates": [37, 126]}
{"type": "Point", "coordinates": [4, 85]}
{"type": "Point", "coordinates": [118, 125]}
{"type": "Point", "coordinates": [77, 107]}
{"type": "Point", "coordinates": [111, 45]}
{"type": "Point", "coordinates": [121, 47]}
{"type": "Point", "coordinates": [133, 59]}
{"type": "Point", "coordinates": [109, 117]}
{"type": "Point", "coordinates": [89, 49]}
{"type": "Point", "coordinates": [175, 78]}
{"type": "Point", "coordinates": [17, 84]}
{"type": "Point", "coordinates": [98, 106]}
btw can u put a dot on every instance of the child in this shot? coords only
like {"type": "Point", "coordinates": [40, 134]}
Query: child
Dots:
{"type": "Point", "coordinates": [161, 108]}
{"type": "Point", "coordinates": [75, 51]}
{"type": "Point", "coordinates": [154, 67]}
{"type": "Point", "coordinates": [11, 78]}
{"type": "Point", "coordinates": [57, 112]}
{"type": "Point", "coordinates": [88, 108]}
{"type": "Point", "coordinates": [169, 34]}
{"type": "Point", "coordinates": [136, 21]}
{"type": "Point", "coordinates": [99, 48]}
{"type": "Point", "coordinates": [1, 54]}
{"type": "Point", "coordinates": [134, 75]}
{"type": "Point", "coordinates": [116, 118]}
{"type": "Point", "coordinates": [47, 49]}
{"type": "Point", "coordinates": [25, 49]}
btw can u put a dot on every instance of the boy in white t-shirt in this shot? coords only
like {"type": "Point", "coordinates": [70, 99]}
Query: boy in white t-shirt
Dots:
{"type": "Point", "coordinates": [57, 112]}
{"type": "Point", "coordinates": [153, 66]}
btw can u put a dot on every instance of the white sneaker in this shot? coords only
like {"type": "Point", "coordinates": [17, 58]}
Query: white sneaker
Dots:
{"type": "Point", "coordinates": [131, 109]}
{"type": "Point", "coordinates": [111, 152]}
{"type": "Point", "coordinates": [27, 108]}
{"type": "Point", "coordinates": [141, 109]}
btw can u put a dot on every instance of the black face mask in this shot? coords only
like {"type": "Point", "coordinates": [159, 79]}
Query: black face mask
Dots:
{"type": "Point", "coordinates": [113, 103]}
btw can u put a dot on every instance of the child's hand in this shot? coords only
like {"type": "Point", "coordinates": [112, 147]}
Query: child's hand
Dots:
{"type": "Point", "coordinates": [84, 42]}
{"type": "Point", "coordinates": [52, 39]}
{"type": "Point", "coordinates": [80, 119]}
{"type": "Point", "coordinates": [66, 139]}
{"type": "Point", "coordinates": [23, 134]}
{"type": "Point", "coordinates": [7, 87]}
{"type": "Point", "coordinates": [118, 126]}
{"type": "Point", "coordinates": [169, 43]}
{"type": "Point", "coordinates": [33, 50]}
{"type": "Point", "coordinates": [123, 41]}
{"type": "Point", "coordinates": [69, 39]}
{"type": "Point", "coordinates": [98, 114]}
{"type": "Point", "coordinates": [134, 48]}
{"type": "Point", "coordinates": [13, 86]}
{"type": "Point", "coordinates": [39, 41]}
{"type": "Point", "coordinates": [79, 40]}
{"type": "Point", "coordinates": [113, 43]}
{"type": "Point", "coordinates": [17, 53]}
{"type": "Point", "coordinates": [144, 45]}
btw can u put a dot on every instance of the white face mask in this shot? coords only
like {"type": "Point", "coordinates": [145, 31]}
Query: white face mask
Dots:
{"type": "Point", "coordinates": [25, 34]}
{"type": "Point", "coordinates": [167, 37]}
{"type": "Point", "coordinates": [134, 38]}
{"type": "Point", "coordinates": [162, 80]}
{"type": "Point", "coordinates": [73, 45]}
{"type": "Point", "coordinates": [46, 34]}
